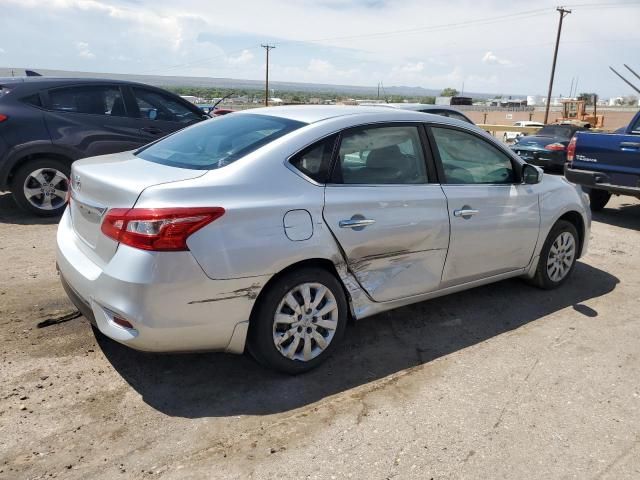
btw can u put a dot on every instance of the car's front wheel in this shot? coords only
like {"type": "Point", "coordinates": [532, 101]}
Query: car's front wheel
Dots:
{"type": "Point", "coordinates": [42, 187]}
{"type": "Point", "coordinates": [558, 256]}
{"type": "Point", "coordinates": [298, 321]}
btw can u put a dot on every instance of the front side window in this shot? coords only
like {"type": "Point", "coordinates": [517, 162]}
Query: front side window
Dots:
{"type": "Point", "coordinates": [381, 155]}
{"type": "Point", "coordinates": [158, 106]}
{"type": "Point", "coordinates": [314, 161]}
{"type": "Point", "coordinates": [467, 159]}
{"type": "Point", "coordinates": [218, 142]}
{"type": "Point", "coordinates": [91, 99]}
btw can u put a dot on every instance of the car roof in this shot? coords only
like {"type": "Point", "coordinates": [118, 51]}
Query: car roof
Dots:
{"type": "Point", "coordinates": [317, 113]}
{"type": "Point", "coordinates": [44, 82]}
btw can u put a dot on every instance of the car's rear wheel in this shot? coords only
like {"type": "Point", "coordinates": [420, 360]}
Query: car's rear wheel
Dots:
{"type": "Point", "coordinates": [42, 187]}
{"type": "Point", "coordinates": [558, 256]}
{"type": "Point", "coordinates": [299, 321]}
{"type": "Point", "coordinates": [598, 199]}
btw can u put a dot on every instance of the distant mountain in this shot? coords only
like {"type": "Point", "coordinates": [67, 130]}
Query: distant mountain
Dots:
{"type": "Point", "coordinates": [180, 81]}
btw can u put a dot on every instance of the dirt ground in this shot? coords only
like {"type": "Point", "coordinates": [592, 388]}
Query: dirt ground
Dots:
{"type": "Point", "coordinates": [503, 381]}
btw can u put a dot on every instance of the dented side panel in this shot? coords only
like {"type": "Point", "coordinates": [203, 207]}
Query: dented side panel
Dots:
{"type": "Point", "coordinates": [403, 252]}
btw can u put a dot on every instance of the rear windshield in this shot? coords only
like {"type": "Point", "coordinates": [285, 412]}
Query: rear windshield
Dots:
{"type": "Point", "coordinates": [218, 142]}
{"type": "Point", "coordinates": [561, 131]}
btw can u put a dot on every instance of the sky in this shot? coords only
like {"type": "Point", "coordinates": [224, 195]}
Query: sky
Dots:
{"type": "Point", "coordinates": [490, 46]}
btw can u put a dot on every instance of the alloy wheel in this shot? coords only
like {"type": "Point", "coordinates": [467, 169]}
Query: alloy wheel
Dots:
{"type": "Point", "coordinates": [46, 188]}
{"type": "Point", "coordinates": [561, 256]}
{"type": "Point", "coordinates": [305, 321]}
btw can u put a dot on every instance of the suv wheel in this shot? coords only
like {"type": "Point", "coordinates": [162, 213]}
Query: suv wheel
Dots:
{"type": "Point", "coordinates": [558, 256]}
{"type": "Point", "coordinates": [598, 199]}
{"type": "Point", "coordinates": [42, 186]}
{"type": "Point", "coordinates": [299, 321]}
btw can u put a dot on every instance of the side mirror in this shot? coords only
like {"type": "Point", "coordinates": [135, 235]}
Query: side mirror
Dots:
{"type": "Point", "coordinates": [531, 174]}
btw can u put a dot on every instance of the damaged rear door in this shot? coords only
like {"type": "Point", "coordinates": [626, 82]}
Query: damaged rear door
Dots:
{"type": "Point", "coordinates": [390, 221]}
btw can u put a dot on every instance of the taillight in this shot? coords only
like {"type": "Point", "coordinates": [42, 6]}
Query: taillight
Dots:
{"type": "Point", "coordinates": [556, 147]}
{"type": "Point", "coordinates": [3, 117]}
{"type": "Point", "coordinates": [157, 229]}
{"type": "Point", "coordinates": [571, 149]}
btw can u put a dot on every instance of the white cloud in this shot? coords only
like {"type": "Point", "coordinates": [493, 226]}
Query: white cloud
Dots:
{"type": "Point", "coordinates": [413, 67]}
{"type": "Point", "coordinates": [83, 50]}
{"type": "Point", "coordinates": [245, 57]}
{"type": "Point", "coordinates": [319, 66]}
{"type": "Point", "coordinates": [492, 59]}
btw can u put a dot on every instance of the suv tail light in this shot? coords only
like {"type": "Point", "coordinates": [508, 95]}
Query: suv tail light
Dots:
{"type": "Point", "coordinates": [556, 147]}
{"type": "Point", "coordinates": [3, 117]}
{"type": "Point", "coordinates": [571, 150]}
{"type": "Point", "coordinates": [157, 229]}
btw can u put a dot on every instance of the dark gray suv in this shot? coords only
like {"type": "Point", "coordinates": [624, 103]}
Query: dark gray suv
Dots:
{"type": "Point", "coordinates": [47, 123]}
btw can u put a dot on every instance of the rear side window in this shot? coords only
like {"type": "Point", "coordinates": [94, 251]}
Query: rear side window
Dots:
{"type": "Point", "coordinates": [218, 142]}
{"type": "Point", "coordinates": [91, 99]}
{"type": "Point", "coordinates": [314, 161]}
{"type": "Point", "coordinates": [162, 107]}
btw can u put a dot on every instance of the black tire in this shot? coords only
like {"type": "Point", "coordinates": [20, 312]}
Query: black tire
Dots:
{"type": "Point", "coordinates": [599, 199]}
{"type": "Point", "coordinates": [542, 279]}
{"type": "Point", "coordinates": [49, 166]}
{"type": "Point", "coordinates": [261, 343]}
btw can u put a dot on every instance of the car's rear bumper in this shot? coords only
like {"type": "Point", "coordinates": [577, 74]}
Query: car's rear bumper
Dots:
{"type": "Point", "coordinates": [601, 181]}
{"type": "Point", "coordinates": [171, 304]}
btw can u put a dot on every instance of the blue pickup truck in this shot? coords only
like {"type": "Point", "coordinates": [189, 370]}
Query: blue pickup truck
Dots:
{"type": "Point", "coordinates": [606, 163]}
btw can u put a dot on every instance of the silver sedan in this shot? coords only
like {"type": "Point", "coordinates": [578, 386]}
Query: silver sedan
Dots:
{"type": "Point", "coordinates": [269, 229]}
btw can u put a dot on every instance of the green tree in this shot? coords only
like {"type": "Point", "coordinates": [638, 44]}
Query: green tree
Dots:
{"type": "Point", "coordinates": [449, 92]}
{"type": "Point", "coordinates": [588, 97]}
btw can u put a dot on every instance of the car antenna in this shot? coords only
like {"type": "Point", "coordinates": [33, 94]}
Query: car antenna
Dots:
{"type": "Point", "coordinates": [213, 107]}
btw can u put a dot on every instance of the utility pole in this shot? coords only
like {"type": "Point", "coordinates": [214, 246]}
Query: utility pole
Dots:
{"type": "Point", "coordinates": [266, 85]}
{"type": "Point", "coordinates": [563, 13]}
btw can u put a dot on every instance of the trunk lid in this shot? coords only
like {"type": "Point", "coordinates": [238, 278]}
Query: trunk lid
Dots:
{"type": "Point", "coordinates": [112, 181]}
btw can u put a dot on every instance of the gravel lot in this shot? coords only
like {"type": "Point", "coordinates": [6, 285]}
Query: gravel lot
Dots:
{"type": "Point", "coordinates": [503, 381]}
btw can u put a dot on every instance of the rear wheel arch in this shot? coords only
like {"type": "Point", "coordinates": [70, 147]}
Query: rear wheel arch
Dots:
{"type": "Point", "coordinates": [23, 160]}
{"type": "Point", "coordinates": [322, 263]}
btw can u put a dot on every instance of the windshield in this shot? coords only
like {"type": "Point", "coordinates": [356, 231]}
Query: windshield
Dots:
{"type": "Point", "coordinates": [215, 143]}
{"type": "Point", "coordinates": [561, 131]}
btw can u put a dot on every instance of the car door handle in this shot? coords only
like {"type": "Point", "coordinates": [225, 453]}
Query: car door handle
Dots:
{"type": "Point", "coordinates": [152, 130]}
{"type": "Point", "coordinates": [356, 223]}
{"type": "Point", "coordinates": [465, 212]}
{"type": "Point", "coordinates": [630, 145]}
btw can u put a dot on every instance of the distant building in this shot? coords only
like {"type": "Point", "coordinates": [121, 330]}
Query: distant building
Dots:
{"type": "Point", "coordinates": [534, 100]}
{"type": "Point", "coordinates": [192, 99]}
{"type": "Point", "coordinates": [275, 101]}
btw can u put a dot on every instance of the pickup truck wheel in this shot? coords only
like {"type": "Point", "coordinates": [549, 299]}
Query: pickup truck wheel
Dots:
{"type": "Point", "coordinates": [558, 256]}
{"type": "Point", "coordinates": [599, 199]}
{"type": "Point", "coordinates": [42, 186]}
